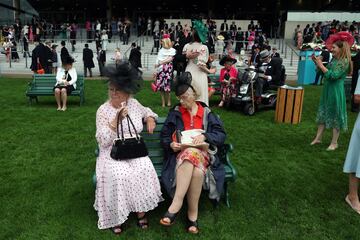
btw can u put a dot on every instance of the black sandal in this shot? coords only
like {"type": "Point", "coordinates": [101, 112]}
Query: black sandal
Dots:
{"type": "Point", "coordinates": [170, 216]}
{"type": "Point", "coordinates": [192, 224]}
{"type": "Point", "coordinates": [141, 223]}
{"type": "Point", "coordinates": [113, 229]}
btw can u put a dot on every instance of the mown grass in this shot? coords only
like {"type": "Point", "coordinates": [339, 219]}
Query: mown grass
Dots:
{"type": "Point", "coordinates": [285, 189]}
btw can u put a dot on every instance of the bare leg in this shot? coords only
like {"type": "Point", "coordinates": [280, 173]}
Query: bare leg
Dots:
{"type": "Point", "coordinates": [142, 220]}
{"type": "Point", "coordinates": [334, 140]}
{"type": "Point", "coordinates": [162, 98]}
{"type": "Point", "coordinates": [194, 193]}
{"type": "Point", "coordinates": [353, 191]}
{"type": "Point", "coordinates": [64, 98]}
{"type": "Point", "coordinates": [168, 98]}
{"type": "Point", "coordinates": [183, 178]}
{"type": "Point", "coordinates": [57, 97]}
{"type": "Point", "coordinates": [319, 134]}
{"type": "Point", "coordinates": [222, 100]}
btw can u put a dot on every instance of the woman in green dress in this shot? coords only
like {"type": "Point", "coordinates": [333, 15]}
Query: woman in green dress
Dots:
{"type": "Point", "coordinates": [332, 109]}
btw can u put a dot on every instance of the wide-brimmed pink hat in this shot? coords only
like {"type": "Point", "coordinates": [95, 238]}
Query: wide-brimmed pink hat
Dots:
{"type": "Point", "coordinates": [340, 36]}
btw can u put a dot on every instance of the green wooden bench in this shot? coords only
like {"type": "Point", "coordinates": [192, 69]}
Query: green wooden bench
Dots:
{"type": "Point", "coordinates": [43, 85]}
{"type": "Point", "coordinates": [156, 154]}
{"type": "Point", "coordinates": [217, 85]}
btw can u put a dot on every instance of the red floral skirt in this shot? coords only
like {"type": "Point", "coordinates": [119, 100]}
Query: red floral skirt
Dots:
{"type": "Point", "coordinates": [197, 157]}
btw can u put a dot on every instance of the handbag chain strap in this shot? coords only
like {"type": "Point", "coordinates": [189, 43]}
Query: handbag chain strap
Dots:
{"type": "Point", "coordinates": [122, 130]}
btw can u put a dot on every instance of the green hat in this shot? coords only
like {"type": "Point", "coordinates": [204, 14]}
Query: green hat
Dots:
{"type": "Point", "coordinates": [201, 29]}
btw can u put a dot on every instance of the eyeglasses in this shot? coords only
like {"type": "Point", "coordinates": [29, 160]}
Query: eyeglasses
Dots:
{"type": "Point", "coordinates": [112, 89]}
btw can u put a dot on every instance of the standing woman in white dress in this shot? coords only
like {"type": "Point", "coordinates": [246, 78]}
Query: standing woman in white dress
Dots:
{"type": "Point", "coordinates": [198, 55]}
{"type": "Point", "coordinates": [126, 185]}
{"type": "Point", "coordinates": [352, 162]}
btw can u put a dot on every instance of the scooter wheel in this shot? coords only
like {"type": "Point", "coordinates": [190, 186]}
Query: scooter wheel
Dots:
{"type": "Point", "coordinates": [249, 109]}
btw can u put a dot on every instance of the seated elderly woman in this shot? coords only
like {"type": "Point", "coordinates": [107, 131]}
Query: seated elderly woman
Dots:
{"type": "Point", "coordinates": [66, 78]}
{"type": "Point", "coordinates": [188, 164]}
{"type": "Point", "coordinates": [228, 78]}
{"type": "Point", "coordinates": [130, 184]}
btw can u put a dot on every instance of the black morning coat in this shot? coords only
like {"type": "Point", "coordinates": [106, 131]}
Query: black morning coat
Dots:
{"type": "Point", "coordinates": [215, 135]}
{"type": "Point", "coordinates": [274, 70]}
{"type": "Point", "coordinates": [88, 58]}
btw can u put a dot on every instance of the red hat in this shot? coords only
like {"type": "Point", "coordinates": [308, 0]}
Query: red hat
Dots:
{"type": "Point", "coordinates": [166, 36]}
{"type": "Point", "coordinates": [340, 36]}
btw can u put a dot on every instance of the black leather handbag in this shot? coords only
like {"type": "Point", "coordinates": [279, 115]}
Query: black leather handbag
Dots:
{"type": "Point", "coordinates": [133, 147]}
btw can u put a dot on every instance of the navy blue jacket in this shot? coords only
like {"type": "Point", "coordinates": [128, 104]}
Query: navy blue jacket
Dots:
{"type": "Point", "coordinates": [215, 135]}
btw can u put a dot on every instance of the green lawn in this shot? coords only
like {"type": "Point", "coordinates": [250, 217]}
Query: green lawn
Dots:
{"type": "Point", "coordinates": [285, 189]}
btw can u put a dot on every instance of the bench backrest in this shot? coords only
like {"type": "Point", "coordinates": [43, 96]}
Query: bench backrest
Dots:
{"type": "Point", "coordinates": [49, 80]}
{"type": "Point", "coordinates": [152, 141]}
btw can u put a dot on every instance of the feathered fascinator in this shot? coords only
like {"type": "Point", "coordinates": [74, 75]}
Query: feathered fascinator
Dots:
{"type": "Point", "coordinates": [183, 82]}
{"type": "Point", "coordinates": [340, 36]}
{"type": "Point", "coordinates": [201, 29]}
{"type": "Point", "coordinates": [124, 77]}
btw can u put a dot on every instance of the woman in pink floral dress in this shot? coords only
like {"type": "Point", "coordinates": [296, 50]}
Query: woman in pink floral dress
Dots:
{"type": "Point", "coordinates": [128, 185]}
{"type": "Point", "coordinates": [165, 69]}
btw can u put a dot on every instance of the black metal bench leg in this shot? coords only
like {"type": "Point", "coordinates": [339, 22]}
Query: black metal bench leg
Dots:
{"type": "Point", "coordinates": [36, 99]}
{"type": "Point", "coordinates": [226, 195]}
{"type": "Point", "coordinates": [82, 99]}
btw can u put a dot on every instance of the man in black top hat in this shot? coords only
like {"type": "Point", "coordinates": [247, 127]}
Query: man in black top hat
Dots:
{"type": "Point", "coordinates": [88, 60]}
{"type": "Point", "coordinates": [41, 57]}
{"type": "Point", "coordinates": [135, 56]}
{"type": "Point", "coordinates": [64, 52]}
{"type": "Point", "coordinates": [272, 73]}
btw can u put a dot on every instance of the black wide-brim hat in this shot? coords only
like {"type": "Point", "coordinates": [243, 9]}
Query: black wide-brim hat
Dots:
{"type": "Point", "coordinates": [182, 83]}
{"type": "Point", "coordinates": [227, 59]}
{"type": "Point", "coordinates": [68, 60]}
{"type": "Point", "coordinates": [124, 77]}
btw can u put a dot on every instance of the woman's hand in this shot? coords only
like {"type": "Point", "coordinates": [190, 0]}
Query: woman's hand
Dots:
{"type": "Point", "coordinates": [199, 139]}
{"type": "Point", "coordinates": [192, 55]}
{"type": "Point", "coordinates": [150, 124]}
{"type": "Point", "coordinates": [176, 147]}
{"type": "Point", "coordinates": [212, 70]}
{"type": "Point", "coordinates": [317, 60]}
{"type": "Point", "coordinates": [123, 111]}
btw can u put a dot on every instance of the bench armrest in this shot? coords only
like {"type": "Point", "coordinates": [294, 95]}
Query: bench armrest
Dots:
{"type": "Point", "coordinates": [223, 154]}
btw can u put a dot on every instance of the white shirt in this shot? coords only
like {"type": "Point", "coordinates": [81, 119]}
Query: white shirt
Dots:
{"type": "Point", "coordinates": [98, 27]}
{"type": "Point", "coordinates": [61, 74]}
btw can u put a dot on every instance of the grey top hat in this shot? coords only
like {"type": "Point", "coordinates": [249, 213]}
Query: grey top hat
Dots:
{"type": "Point", "coordinates": [264, 54]}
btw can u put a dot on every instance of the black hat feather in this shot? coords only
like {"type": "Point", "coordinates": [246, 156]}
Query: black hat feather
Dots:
{"type": "Point", "coordinates": [124, 77]}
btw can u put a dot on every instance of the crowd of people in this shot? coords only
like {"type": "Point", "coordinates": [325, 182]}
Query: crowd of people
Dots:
{"type": "Point", "coordinates": [320, 31]}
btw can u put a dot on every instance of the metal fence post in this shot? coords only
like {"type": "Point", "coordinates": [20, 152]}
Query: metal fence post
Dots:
{"type": "Point", "coordinates": [282, 47]}
{"type": "Point", "coordinates": [26, 59]}
{"type": "Point", "coordinates": [285, 49]}
{"type": "Point", "coordinates": [10, 56]}
{"type": "Point", "coordinates": [291, 60]}
{"type": "Point", "coordinates": [279, 45]}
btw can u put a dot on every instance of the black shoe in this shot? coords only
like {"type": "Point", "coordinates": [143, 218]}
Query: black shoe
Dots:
{"type": "Point", "coordinates": [142, 222]}
{"type": "Point", "coordinates": [170, 216]}
{"type": "Point", "coordinates": [192, 224]}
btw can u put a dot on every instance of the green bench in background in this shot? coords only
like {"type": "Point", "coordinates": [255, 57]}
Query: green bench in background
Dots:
{"type": "Point", "coordinates": [43, 85]}
{"type": "Point", "coordinates": [156, 154]}
{"type": "Point", "coordinates": [214, 78]}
